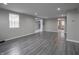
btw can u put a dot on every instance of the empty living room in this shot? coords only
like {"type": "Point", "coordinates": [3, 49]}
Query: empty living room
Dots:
{"type": "Point", "coordinates": [39, 29]}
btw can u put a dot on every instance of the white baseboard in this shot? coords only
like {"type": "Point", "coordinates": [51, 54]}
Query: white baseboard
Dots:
{"type": "Point", "coordinates": [72, 40]}
{"type": "Point", "coordinates": [21, 36]}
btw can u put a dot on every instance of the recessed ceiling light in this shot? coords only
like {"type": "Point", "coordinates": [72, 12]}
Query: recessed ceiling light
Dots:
{"type": "Point", "coordinates": [58, 9]}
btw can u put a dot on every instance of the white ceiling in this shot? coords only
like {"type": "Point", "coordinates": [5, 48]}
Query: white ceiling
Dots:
{"type": "Point", "coordinates": [44, 10]}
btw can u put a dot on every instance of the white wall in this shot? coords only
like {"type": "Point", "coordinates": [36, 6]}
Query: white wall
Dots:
{"type": "Point", "coordinates": [50, 25]}
{"type": "Point", "coordinates": [27, 26]}
{"type": "Point", "coordinates": [73, 26]}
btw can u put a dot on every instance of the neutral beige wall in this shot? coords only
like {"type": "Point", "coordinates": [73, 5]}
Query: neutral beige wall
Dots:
{"type": "Point", "coordinates": [50, 25]}
{"type": "Point", "coordinates": [27, 26]}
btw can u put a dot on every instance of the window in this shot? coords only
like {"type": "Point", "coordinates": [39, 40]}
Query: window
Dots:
{"type": "Point", "coordinates": [13, 20]}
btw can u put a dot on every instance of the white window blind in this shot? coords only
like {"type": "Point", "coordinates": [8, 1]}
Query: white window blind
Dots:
{"type": "Point", "coordinates": [13, 20]}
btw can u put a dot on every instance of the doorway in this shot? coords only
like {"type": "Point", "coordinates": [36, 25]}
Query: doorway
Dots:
{"type": "Point", "coordinates": [61, 24]}
{"type": "Point", "coordinates": [62, 29]}
{"type": "Point", "coordinates": [39, 25]}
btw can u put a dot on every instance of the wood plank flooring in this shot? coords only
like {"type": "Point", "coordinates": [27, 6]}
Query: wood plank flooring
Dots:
{"type": "Point", "coordinates": [72, 48]}
{"type": "Point", "coordinates": [38, 44]}
{"type": "Point", "coordinates": [44, 43]}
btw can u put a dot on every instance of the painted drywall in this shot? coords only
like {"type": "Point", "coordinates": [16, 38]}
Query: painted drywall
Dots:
{"type": "Point", "coordinates": [27, 26]}
{"type": "Point", "coordinates": [73, 26]}
{"type": "Point", "coordinates": [50, 25]}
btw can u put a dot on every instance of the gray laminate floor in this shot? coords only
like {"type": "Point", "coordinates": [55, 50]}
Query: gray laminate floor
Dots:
{"type": "Point", "coordinates": [72, 48]}
{"type": "Point", "coordinates": [45, 43]}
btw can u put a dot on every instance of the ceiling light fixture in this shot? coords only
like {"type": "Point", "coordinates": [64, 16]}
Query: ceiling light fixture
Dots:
{"type": "Point", "coordinates": [58, 9]}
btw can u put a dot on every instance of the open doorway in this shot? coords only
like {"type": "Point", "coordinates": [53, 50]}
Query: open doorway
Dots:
{"type": "Point", "coordinates": [61, 35]}
{"type": "Point", "coordinates": [61, 24]}
{"type": "Point", "coordinates": [62, 27]}
{"type": "Point", "coordinates": [39, 25]}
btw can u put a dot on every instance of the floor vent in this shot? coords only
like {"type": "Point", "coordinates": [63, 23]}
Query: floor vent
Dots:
{"type": "Point", "coordinates": [2, 41]}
